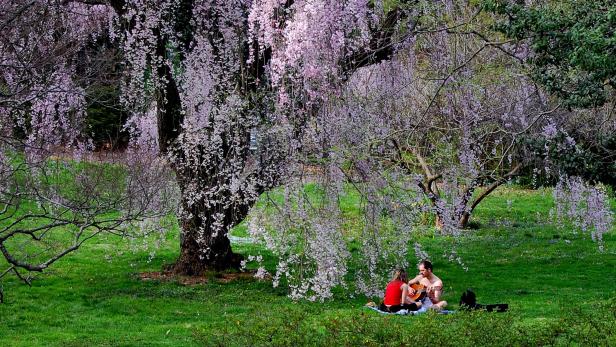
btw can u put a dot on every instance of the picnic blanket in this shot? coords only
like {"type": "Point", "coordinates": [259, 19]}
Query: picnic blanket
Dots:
{"type": "Point", "coordinates": [426, 304]}
{"type": "Point", "coordinates": [408, 312]}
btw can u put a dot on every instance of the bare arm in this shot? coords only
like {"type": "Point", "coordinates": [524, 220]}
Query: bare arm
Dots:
{"type": "Point", "coordinates": [405, 293]}
{"type": "Point", "coordinates": [416, 280]}
{"type": "Point", "coordinates": [436, 290]}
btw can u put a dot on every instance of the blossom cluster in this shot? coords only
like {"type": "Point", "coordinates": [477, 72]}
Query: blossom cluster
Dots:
{"type": "Point", "coordinates": [38, 53]}
{"type": "Point", "coordinates": [584, 206]}
{"type": "Point", "coordinates": [309, 40]}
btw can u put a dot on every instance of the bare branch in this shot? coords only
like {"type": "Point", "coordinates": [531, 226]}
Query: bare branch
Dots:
{"type": "Point", "coordinates": [495, 185]}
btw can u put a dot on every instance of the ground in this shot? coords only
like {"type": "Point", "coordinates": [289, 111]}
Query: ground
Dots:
{"type": "Point", "coordinates": [559, 286]}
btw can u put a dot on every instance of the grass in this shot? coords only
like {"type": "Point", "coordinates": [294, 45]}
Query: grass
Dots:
{"type": "Point", "coordinates": [560, 288]}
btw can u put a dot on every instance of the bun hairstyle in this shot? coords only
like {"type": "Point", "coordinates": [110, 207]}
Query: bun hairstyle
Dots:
{"type": "Point", "coordinates": [400, 274]}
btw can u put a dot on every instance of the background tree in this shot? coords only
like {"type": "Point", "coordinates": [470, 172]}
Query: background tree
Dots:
{"type": "Point", "coordinates": [453, 109]}
{"type": "Point", "coordinates": [569, 48]}
{"type": "Point", "coordinates": [571, 43]}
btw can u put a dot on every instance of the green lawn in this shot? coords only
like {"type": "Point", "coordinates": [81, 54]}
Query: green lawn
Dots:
{"type": "Point", "coordinates": [560, 288]}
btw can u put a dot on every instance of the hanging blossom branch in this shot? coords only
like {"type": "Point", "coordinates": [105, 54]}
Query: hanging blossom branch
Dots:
{"type": "Point", "coordinates": [584, 206]}
{"type": "Point", "coordinates": [314, 49]}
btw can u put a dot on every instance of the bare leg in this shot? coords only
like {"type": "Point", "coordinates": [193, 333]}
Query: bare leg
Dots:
{"type": "Point", "coordinates": [439, 305]}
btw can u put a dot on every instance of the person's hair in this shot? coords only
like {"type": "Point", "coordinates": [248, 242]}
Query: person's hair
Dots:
{"type": "Point", "coordinates": [400, 274]}
{"type": "Point", "coordinates": [427, 264]}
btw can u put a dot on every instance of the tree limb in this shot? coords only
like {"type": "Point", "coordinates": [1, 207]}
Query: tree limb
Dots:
{"type": "Point", "coordinates": [495, 185]}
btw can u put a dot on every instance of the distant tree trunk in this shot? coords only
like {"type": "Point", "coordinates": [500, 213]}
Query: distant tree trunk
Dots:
{"type": "Point", "coordinates": [461, 219]}
{"type": "Point", "coordinates": [468, 201]}
{"type": "Point", "coordinates": [464, 219]}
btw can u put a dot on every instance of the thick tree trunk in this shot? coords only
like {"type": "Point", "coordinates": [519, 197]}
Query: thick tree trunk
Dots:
{"type": "Point", "coordinates": [204, 247]}
{"type": "Point", "coordinates": [203, 253]}
{"type": "Point", "coordinates": [204, 244]}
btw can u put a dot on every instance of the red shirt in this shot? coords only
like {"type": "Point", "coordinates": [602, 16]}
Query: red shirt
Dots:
{"type": "Point", "coordinates": [393, 293]}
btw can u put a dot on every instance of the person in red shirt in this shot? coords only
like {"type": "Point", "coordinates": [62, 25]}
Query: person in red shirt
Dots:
{"type": "Point", "coordinates": [397, 294]}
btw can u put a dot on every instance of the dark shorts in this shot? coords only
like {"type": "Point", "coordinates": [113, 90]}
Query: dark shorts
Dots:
{"type": "Point", "coordinates": [396, 308]}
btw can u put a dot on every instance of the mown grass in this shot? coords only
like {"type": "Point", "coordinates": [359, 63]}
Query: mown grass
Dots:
{"type": "Point", "coordinates": [560, 288]}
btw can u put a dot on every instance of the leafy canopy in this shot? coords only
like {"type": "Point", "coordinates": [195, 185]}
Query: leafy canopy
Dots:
{"type": "Point", "coordinates": [573, 45]}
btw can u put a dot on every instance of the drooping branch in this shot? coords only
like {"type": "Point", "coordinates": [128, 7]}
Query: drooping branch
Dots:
{"type": "Point", "coordinates": [15, 15]}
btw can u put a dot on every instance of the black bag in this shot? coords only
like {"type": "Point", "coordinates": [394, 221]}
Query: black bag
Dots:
{"type": "Point", "coordinates": [468, 301]}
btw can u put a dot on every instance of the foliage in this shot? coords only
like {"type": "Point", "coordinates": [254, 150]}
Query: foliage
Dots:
{"type": "Point", "coordinates": [593, 160]}
{"type": "Point", "coordinates": [104, 122]}
{"type": "Point", "coordinates": [105, 117]}
{"type": "Point", "coordinates": [572, 43]}
{"type": "Point", "coordinates": [465, 329]}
